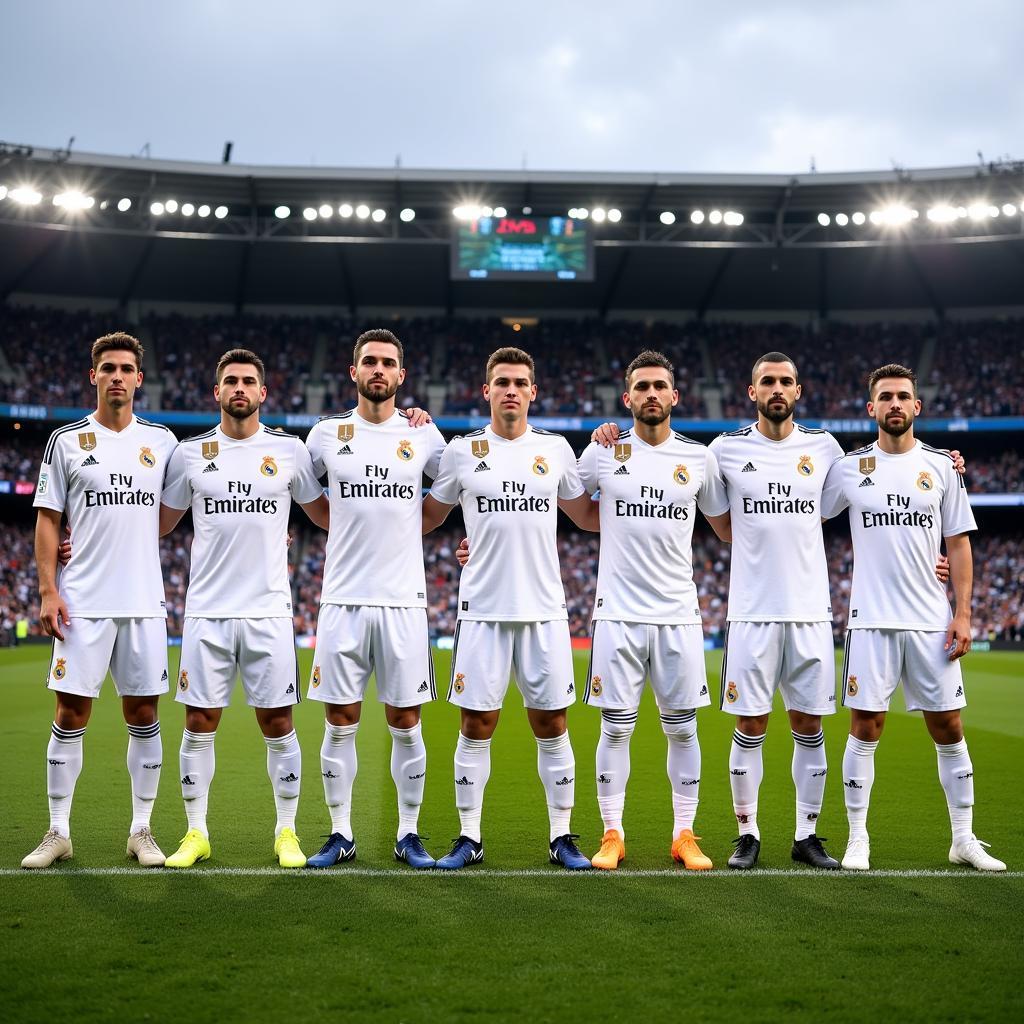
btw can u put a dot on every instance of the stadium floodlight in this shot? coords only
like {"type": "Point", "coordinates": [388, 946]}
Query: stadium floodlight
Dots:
{"type": "Point", "coordinates": [459, 213]}
{"type": "Point", "coordinates": [876, 217]}
{"type": "Point", "coordinates": [527, 210]}
{"type": "Point", "coordinates": [715, 216]}
{"type": "Point", "coordinates": [697, 217]}
{"type": "Point", "coordinates": [407, 215]}
{"type": "Point", "coordinates": [961, 212]}
{"type": "Point", "coordinates": [941, 214]}
{"type": "Point", "coordinates": [842, 220]}
{"type": "Point", "coordinates": [104, 204]}
{"type": "Point", "coordinates": [73, 200]}
{"type": "Point", "coordinates": [187, 209]}
{"type": "Point", "coordinates": [824, 219]}
{"type": "Point", "coordinates": [667, 217]}
{"type": "Point", "coordinates": [124, 205]}
{"type": "Point", "coordinates": [378, 215]}
{"type": "Point", "coordinates": [3, 191]}
{"type": "Point", "coordinates": [171, 206]}
{"type": "Point", "coordinates": [310, 213]}
{"type": "Point", "coordinates": [204, 210]}
{"type": "Point", "coordinates": [362, 211]}
{"type": "Point", "coordinates": [157, 209]}
{"type": "Point", "coordinates": [732, 218]}
{"type": "Point", "coordinates": [1009, 209]}
{"type": "Point", "coordinates": [500, 211]}
{"type": "Point", "coordinates": [614, 215]}
{"type": "Point", "coordinates": [858, 218]}
{"type": "Point", "coordinates": [26, 195]}
{"type": "Point", "coordinates": [582, 213]}
{"type": "Point", "coordinates": [326, 210]}
{"type": "Point", "coordinates": [345, 210]}
{"type": "Point", "coordinates": [897, 214]}
{"type": "Point", "coordinates": [993, 211]}
{"type": "Point", "coordinates": [573, 213]}
{"type": "Point", "coordinates": [281, 212]}
{"type": "Point", "coordinates": [486, 211]}
{"type": "Point", "coordinates": [221, 212]}
{"type": "Point", "coordinates": [977, 211]}
{"type": "Point", "coordinates": [598, 214]}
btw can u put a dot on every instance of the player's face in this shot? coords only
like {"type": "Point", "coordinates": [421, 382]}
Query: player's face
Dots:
{"type": "Point", "coordinates": [775, 391]}
{"type": "Point", "coordinates": [116, 378]}
{"type": "Point", "coordinates": [510, 391]}
{"type": "Point", "coordinates": [378, 375]}
{"type": "Point", "coordinates": [651, 395]}
{"type": "Point", "coordinates": [895, 407]}
{"type": "Point", "coordinates": [240, 392]}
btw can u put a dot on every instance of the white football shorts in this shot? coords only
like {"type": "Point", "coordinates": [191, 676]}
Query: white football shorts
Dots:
{"type": "Point", "coordinates": [796, 658]}
{"type": "Point", "coordinates": [215, 651]}
{"type": "Point", "coordinates": [134, 650]}
{"type": "Point", "coordinates": [877, 660]}
{"type": "Point", "coordinates": [538, 654]}
{"type": "Point", "coordinates": [624, 654]}
{"type": "Point", "coordinates": [354, 642]}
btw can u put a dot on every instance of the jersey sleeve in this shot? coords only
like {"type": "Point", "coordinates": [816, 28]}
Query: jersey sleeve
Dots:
{"type": "Point", "coordinates": [52, 487]}
{"type": "Point", "coordinates": [569, 485]}
{"type": "Point", "coordinates": [315, 449]}
{"type": "Point", "coordinates": [177, 486]}
{"type": "Point", "coordinates": [305, 484]}
{"type": "Point", "coordinates": [712, 497]}
{"type": "Point", "coordinates": [588, 466]}
{"type": "Point", "coordinates": [955, 509]}
{"type": "Point", "coordinates": [715, 448]}
{"type": "Point", "coordinates": [447, 486]}
{"type": "Point", "coordinates": [835, 450]}
{"type": "Point", "coordinates": [833, 494]}
{"type": "Point", "coordinates": [437, 443]}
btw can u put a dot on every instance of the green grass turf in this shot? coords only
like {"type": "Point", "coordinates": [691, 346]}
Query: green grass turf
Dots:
{"type": "Point", "coordinates": [169, 946]}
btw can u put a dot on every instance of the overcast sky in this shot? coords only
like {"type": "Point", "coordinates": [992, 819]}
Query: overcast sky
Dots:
{"type": "Point", "coordinates": [646, 85]}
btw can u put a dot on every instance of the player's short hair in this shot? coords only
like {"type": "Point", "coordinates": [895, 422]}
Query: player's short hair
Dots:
{"type": "Point", "coordinates": [891, 370]}
{"type": "Point", "coordinates": [651, 358]}
{"type": "Point", "coordinates": [119, 341]}
{"type": "Point", "coordinates": [378, 334]}
{"type": "Point", "coordinates": [510, 355]}
{"type": "Point", "coordinates": [241, 355]}
{"type": "Point", "coordinates": [773, 357]}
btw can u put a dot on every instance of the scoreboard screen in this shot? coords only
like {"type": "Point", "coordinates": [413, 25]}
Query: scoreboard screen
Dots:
{"type": "Point", "coordinates": [522, 249]}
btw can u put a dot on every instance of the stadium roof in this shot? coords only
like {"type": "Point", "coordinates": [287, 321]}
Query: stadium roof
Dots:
{"type": "Point", "coordinates": [938, 239]}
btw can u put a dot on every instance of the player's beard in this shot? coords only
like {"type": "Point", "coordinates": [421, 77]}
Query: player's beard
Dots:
{"type": "Point", "coordinates": [239, 412]}
{"type": "Point", "coordinates": [376, 396]}
{"type": "Point", "coordinates": [651, 416]}
{"type": "Point", "coordinates": [896, 428]}
{"type": "Point", "coordinates": [776, 415]}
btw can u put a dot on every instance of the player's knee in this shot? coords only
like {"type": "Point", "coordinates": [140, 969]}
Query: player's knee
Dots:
{"type": "Point", "coordinates": [679, 726]}
{"type": "Point", "coordinates": [72, 712]}
{"type": "Point", "coordinates": [401, 718]}
{"type": "Point", "coordinates": [140, 710]}
{"type": "Point", "coordinates": [617, 726]}
{"type": "Point", "coordinates": [867, 725]}
{"type": "Point", "coordinates": [343, 714]}
{"type": "Point", "coordinates": [202, 719]}
{"type": "Point", "coordinates": [756, 725]}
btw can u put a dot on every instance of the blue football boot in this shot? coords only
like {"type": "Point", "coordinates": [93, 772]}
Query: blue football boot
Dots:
{"type": "Point", "coordinates": [410, 849]}
{"type": "Point", "coordinates": [563, 851]}
{"type": "Point", "coordinates": [464, 851]}
{"type": "Point", "coordinates": [334, 851]}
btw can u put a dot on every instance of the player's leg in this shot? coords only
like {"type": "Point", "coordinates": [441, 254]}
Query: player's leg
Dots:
{"type": "Point", "coordinates": [408, 772]}
{"type": "Point", "coordinates": [284, 768]}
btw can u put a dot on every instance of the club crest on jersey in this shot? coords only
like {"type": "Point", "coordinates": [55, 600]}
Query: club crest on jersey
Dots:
{"type": "Point", "coordinates": [805, 467]}
{"type": "Point", "coordinates": [851, 686]}
{"type": "Point", "coordinates": [460, 682]}
{"type": "Point", "coordinates": [60, 670]}
{"type": "Point", "coordinates": [480, 448]}
{"type": "Point", "coordinates": [595, 686]}
{"type": "Point", "coordinates": [540, 465]}
{"type": "Point", "coordinates": [87, 441]}
{"type": "Point", "coordinates": [269, 467]}
{"type": "Point", "coordinates": [732, 693]}
{"type": "Point", "coordinates": [867, 466]}
{"type": "Point", "coordinates": [924, 481]}
{"type": "Point", "coordinates": [316, 676]}
{"type": "Point", "coordinates": [183, 680]}
{"type": "Point", "coordinates": [404, 450]}
{"type": "Point", "coordinates": [147, 458]}
{"type": "Point", "coordinates": [681, 475]}
{"type": "Point", "coordinates": [623, 452]}
{"type": "Point", "coordinates": [211, 449]}
{"type": "Point", "coordinates": [346, 431]}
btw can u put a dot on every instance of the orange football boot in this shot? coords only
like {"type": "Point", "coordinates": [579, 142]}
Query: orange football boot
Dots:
{"type": "Point", "coordinates": [688, 853]}
{"type": "Point", "coordinates": [612, 852]}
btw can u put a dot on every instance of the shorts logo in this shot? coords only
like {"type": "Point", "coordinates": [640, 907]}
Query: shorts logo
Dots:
{"type": "Point", "coordinates": [269, 467]}
{"type": "Point", "coordinates": [732, 693]}
{"type": "Point", "coordinates": [346, 431]}
{"type": "Point", "coordinates": [805, 467]}
{"type": "Point", "coordinates": [316, 676]}
{"type": "Point", "coordinates": [595, 686]}
{"type": "Point", "coordinates": [211, 449]}
{"type": "Point", "coordinates": [681, 475]}
{"type": "Point", "coordinates": [867, 466]}
{"type": "Point", "coordinates": [59, 670]}
{"type": "Point", "coordinates": [480, 448]}
{"type": "Point", "coordinates": [623, 452]}
{"type": "Point", "coordinates": [87, 442]}
{"type": "Point", "coordinates": [460, 682]}
{"type": "Point", "coordinates": [540, 465]}
{"type": "Point", "coordinates": [851, 686]}
{"type": "Point", "coordinates": [924, 481]}
{"type": "Point", "coordinates": [147, 458]}
{"type": "Point", "coordinates": [183, 680]}
{"type": "Point", "coordinates": [404, 450]}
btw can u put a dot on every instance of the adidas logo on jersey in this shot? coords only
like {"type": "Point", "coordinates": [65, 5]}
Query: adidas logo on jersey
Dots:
{"type": "Point", "coordinates": [621, 471]}
{"type": "Point", "coordinates": [345, 450]}
{"type": "Point", "coordinates": [867, 482]}
{"type": "Point", "coordinates": [91, 461]}
{"type": "Point", "coordinates": [423, 687]}
{"type": "Point", "coordinates": [211, 468]}
{"type": "Point", "coordinates": [463, 782]}
{"type": "Point", "coordinates": [481, 467]}
{"type": "Point", "coordinates": [749, 468]}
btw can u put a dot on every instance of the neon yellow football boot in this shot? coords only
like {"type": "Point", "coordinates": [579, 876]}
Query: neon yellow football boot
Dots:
{"type": "Point", "coordinates": [194, 847]}
{"type": "Point", "coordinates": [286, 850]}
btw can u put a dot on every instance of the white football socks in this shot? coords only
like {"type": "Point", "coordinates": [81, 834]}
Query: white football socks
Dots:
{"type": "Point", "coordinates": [556, 767]}
{"type": "Point", "coordinates": [680, 728]}
{"type": "Point", "coordinates": [746, 769]}
{"type": "Point", "coordinates": [338, 764]}
{"type": "Point", "coordinates": [284, 766]}
{"type": "Point", "coordinates": [198, 762]}
{"type": "Point", "coordinates": [472, 770]}
{"type": "Point", "coordinates": [956, 773]}
{"type": "Point", "coordinates": [408, 769]}
{"type": "Point", "coordinates": [63, 766]}
{"type": "Point", "coordinates": [809, 770]}
{"type": "Point", "coordinates": [858, 778]}
{"type": "Point", "coordinates": [145, 757]}
{"type": "Point", "coordinates": [612, 765]}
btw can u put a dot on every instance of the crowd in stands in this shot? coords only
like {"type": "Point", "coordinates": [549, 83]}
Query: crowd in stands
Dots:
{"type": "Point", "coordinates": [998, 566]}
{"type": "Point", "coordinates": [977, 369]}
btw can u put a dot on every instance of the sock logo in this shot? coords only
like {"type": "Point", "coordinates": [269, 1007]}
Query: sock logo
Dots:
{"type": "Point", "coordinates": [821, 774]}
{"type": "Point", "coordinates": [602, 778]}
{"type": "Point", "coordinates": [853, 784]}
{"type": "Point", "coordinates": [743, 818]}
{"type": "Point", "coordinates": [565, 781]}
{"type": "Point", "coordinates": [689, 782]}
{"type": "Point", "coordinates": [813, 816]}
{"type": "Point", "coordinates": [153, 767]}
{"type": "Point", "coordinates": [737, 771]}
{"type": "Point", "coordinates": [188, 781]}
{"type": "Point", "coordinates": [56, 764]}
{"type": "Point", "coordinates": [463, 782]}
{"type": "Point", "coordinates": [290, 777]}
{"type": "Point", "coordinates": [414, 777]}
{"type": "Point", "coordinates": [330, 775]}
{"type": "Point", "coordinates": [966, 775]}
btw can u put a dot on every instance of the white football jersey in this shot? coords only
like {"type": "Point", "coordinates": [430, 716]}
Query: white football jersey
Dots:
{"type": "Point", "coordinates": [778, 572]}
{"type": "Point", "coordinates": [109, 484]}
{"type": "Point", "coordinates": [509, 491]}
{"type": "Point", "coordinates": [901, 506]}
{"type": "Point", "coordinates": [649, 498]}
{"type": "Point", "coordinates": [375, 484]}
{"type": "Point", "coordinates": [241, 494]}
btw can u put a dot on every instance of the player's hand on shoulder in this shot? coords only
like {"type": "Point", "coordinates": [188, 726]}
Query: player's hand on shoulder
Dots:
{"type": "Point", "coordinates": [418, 417]}
{"type": "Point", "coordinates": [942, 570]}
{"type": "Point", "coordinates": [462, 552]}
{"type": "Point", "coordinates": [606, 434]}
{"type": "Point", "coordinates": [958, 461]}
{"type": "Point", "coordinates": [64, 550]}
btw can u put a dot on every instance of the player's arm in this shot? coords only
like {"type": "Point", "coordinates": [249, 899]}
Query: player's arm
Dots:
{"type": "Point", "coordinates": [961, 570]}
{"type": "Point", "coordinates": [417, 417]}
{"type": "Point", "coordinates": [583, 511]}
{"type": "Point", "coordinates": [169, 518]}
{"type": "Point", "coordinates": [52, 611]}
{"type": "Point", "coordinates": [606, 435]}
{"type": "Point", "coordinates": [434, 513]}
{"type": "Point", "coordinates": [722, 525]}
{"type": "Point", "coordinates": [319, 511]}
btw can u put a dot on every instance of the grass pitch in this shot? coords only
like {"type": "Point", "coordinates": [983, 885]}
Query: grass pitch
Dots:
{"type": "Point", "coordinates": [237, 939]}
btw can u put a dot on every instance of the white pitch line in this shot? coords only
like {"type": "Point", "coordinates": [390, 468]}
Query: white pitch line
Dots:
{"type": "Point", "coordinates": [341, 873]}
